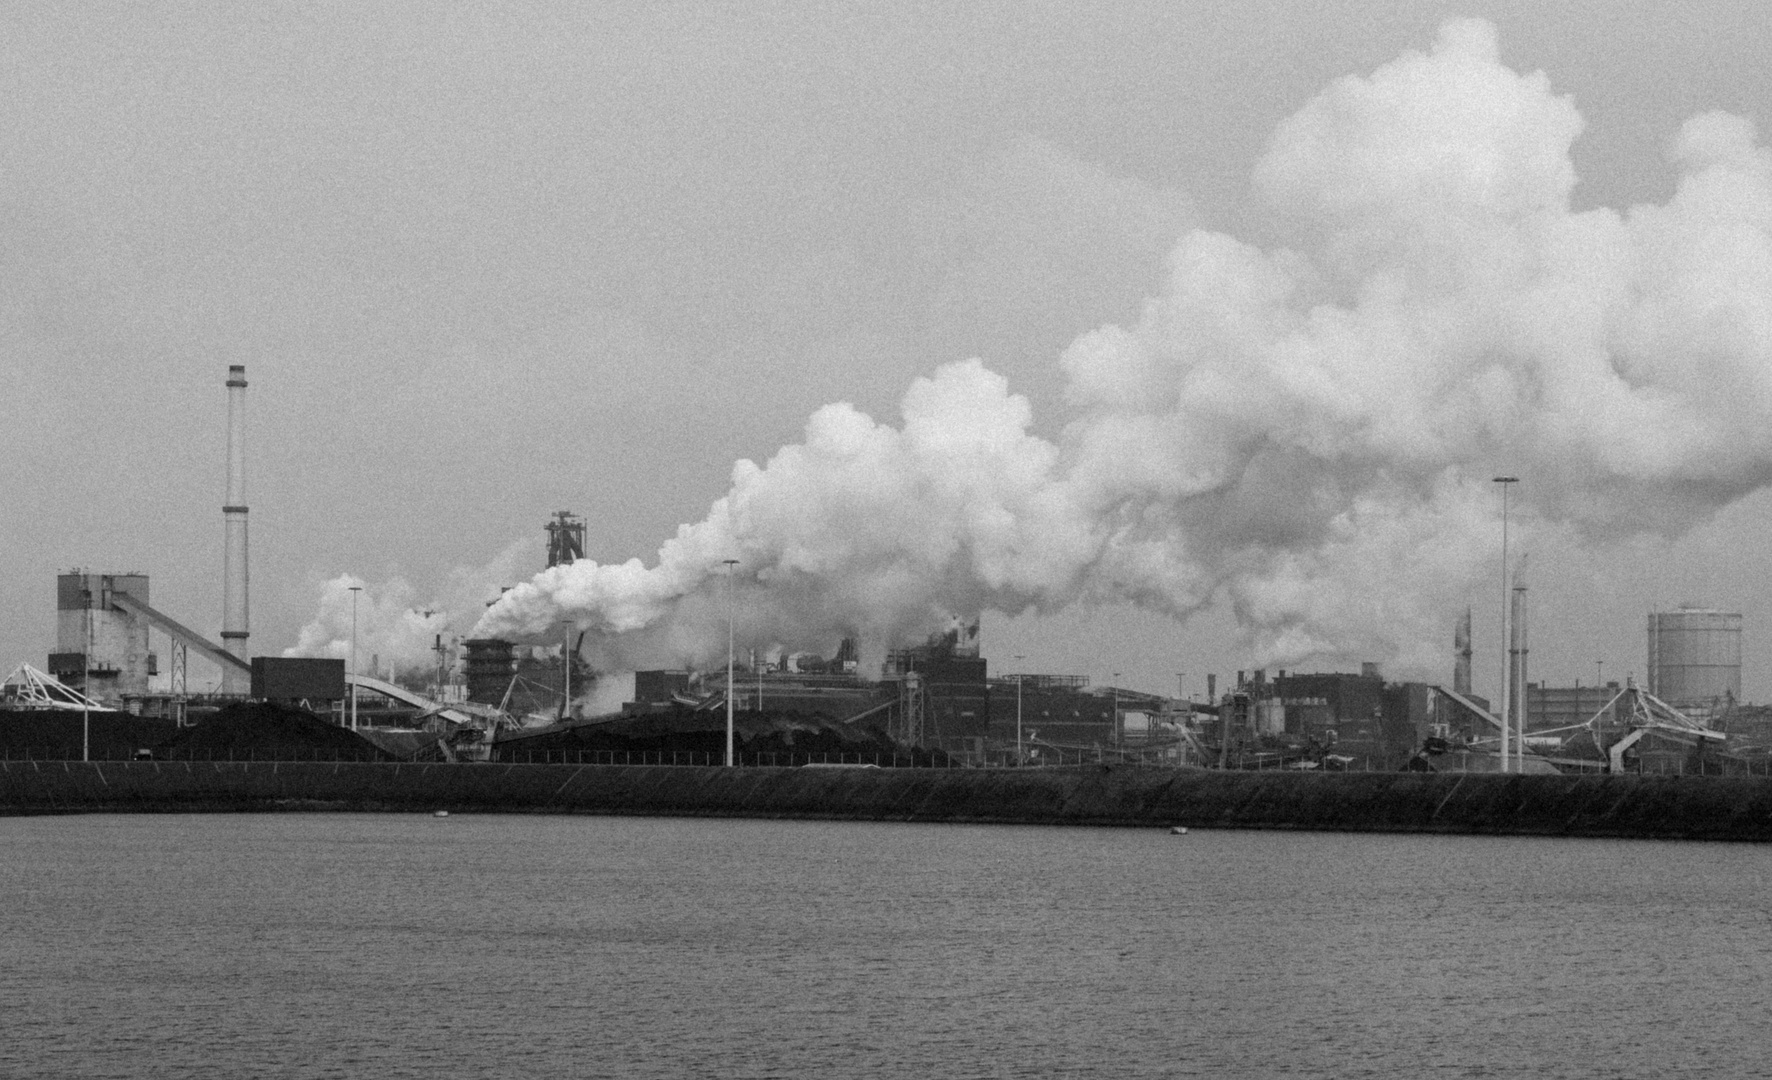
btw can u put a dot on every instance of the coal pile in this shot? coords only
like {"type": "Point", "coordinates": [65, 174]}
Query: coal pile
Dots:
{"type": "Point", "coordinates": [687, 736]}
{"type": "Point", "coordinates": [56, 735]}
{"type": "Point", "coordinates": [261, 731]}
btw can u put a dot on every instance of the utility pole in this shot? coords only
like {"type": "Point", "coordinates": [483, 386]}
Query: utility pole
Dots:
{"type": "Point", "coordinates": [1019, 679]}
{"type": "Point", "coordinates": [730, 563]}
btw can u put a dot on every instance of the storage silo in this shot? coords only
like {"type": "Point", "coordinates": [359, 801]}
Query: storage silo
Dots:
{"type": "Point", "coordinates": [1695, 656]}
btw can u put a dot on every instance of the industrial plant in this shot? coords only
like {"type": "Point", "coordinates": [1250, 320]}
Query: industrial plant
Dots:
{"type": "Point", "coordinates": [121, 667]}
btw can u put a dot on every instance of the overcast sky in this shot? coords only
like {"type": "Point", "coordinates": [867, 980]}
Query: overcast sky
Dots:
{"type": "Point", "coordinates": [481, 266]}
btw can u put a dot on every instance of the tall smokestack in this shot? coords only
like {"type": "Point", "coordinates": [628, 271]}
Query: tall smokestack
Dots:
{"type": "Point", "coordinates": [1461, 655]}
{"type": "Point", "coordinates": [235, 616]}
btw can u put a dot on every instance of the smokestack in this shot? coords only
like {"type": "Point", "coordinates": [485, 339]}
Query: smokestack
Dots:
{"type": "Point", "coordinates": [235, 617]}
{"type": "Point", "coordinates": [1461, 655]}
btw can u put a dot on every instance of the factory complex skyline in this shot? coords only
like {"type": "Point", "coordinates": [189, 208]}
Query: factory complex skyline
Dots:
{"type": "Point", "coordinates": [1034, 323]}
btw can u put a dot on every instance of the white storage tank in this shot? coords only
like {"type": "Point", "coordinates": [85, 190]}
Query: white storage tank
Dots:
{"type": "Point", "coordinates": [1695, 656]}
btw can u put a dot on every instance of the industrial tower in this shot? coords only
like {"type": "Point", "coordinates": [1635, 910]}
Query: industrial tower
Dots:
{"type": "Point", "coordinates": [236, 616]}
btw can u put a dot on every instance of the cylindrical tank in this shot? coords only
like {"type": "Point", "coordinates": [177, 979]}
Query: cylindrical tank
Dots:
{"type": "Point", "coordinates": [488, 664]}
{"type": "Point", "coordinates": [1695, 656]}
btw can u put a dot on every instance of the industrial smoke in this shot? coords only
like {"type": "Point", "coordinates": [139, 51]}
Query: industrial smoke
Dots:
{"type": "Point", "coordinates": [396, 622]}
{"type": "Point", "coordinates": [1306, 433]}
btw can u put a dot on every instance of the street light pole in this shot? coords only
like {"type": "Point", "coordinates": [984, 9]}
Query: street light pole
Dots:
{"type": "Point", "coordinates": [355, 589]}
{"type": "Point", "coordinates": [730, 563]}
{"type": "Point", "coordinates": [1019, 679]}
{"type": "Point", "coordinates": [566, 669]}
{"type": "Point", "coordinates": [1506, 482]}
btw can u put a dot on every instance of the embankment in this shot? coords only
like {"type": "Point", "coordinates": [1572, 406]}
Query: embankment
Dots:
{"type": "Point", "coordinates": [1715, 808]}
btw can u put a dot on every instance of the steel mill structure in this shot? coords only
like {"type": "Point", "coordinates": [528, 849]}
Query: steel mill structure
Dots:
{"type": "Point", "coordinates": [937, 696]}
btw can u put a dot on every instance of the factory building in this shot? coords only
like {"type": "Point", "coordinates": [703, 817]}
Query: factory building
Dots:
{"type": "Point", "coordinates": [102, 645]}
{"type": "Point", "coordinates": [1059, 709]}
{"type": "Point", "coordinates": [101, 649]}
{"type": "Point", "coordinates": [798, 685]}
{"type": "Point", "coordinates": [1356, 721]}
{"type": "Point", "coordinates": [944, 690]}
{"type": "Point", "coordinates": [1551, 707]}
{"type": "Point", "coordinates": [837, 694]}
{"type": "Point", "coordinates": [935, 695]}
{"type": "Point", "coordinates": [1378, 724]}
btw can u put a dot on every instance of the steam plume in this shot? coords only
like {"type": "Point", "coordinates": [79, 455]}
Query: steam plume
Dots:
{"type": "Point", "coordinates": [397, 623]}
{"type": "Point", "coordinates": [1306, 433]}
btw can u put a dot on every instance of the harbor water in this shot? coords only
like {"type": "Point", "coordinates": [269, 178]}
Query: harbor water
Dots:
{"type": "Point", "coordinates": [345, 945]}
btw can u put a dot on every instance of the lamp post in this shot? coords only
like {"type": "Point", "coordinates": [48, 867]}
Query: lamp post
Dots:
{"type": "Point", "coordinates": [1506, 482]}
{"type": "Point", "coordinates": [566, 669]}
{"type": "Point", "coordinates": [1019, 679]}
{"type": "Point", "coordinates": [730, 563]}
{"type": "Point", "coordinates": [355, 589]}
{"type": "Point", "coordinates": [86, 684]}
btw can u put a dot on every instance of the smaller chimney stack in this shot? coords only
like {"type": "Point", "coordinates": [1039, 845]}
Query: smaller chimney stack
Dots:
{"type": "Point", "coordinates": [1461, 655]}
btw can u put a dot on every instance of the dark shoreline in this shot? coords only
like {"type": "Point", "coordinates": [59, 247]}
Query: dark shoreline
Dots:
{"type": "Point", "coordinates": [1662, 807]}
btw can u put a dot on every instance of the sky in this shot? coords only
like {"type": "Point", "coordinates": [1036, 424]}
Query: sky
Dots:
{"type": "Point", "coordinates": [485, 265]}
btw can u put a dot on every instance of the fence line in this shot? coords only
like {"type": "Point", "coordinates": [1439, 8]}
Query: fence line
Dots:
{"type": "Point", "coordinates": [765, 759]}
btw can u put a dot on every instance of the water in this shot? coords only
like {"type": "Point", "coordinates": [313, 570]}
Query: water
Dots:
{"type": "Point", "coordinates": [334, 945]}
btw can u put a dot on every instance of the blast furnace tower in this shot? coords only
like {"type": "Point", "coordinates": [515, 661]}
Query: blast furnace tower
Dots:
{"type": "Point", "coordinates": [566, 538]}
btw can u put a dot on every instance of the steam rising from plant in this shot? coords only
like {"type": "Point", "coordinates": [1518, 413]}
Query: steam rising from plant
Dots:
{"type": "Point", "coordinates": [395, 623]}
{"type": "Point", "coordinates": [1306, 433]}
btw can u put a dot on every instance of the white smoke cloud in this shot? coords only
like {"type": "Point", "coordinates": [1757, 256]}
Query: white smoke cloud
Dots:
{"type": "Point", "coordinates": [606, 695]}
{"type": "Point", "coordinates": [1306, 433]}
{"type": "Point", "coordinates": [398, 624]}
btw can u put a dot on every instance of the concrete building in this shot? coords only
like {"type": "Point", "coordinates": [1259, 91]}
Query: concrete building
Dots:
{"type": "Point", "coordinates": [98, 642]}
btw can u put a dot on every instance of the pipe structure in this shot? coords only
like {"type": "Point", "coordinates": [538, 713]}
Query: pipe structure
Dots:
{"type": "Point", "coordinates": [236, 616]}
